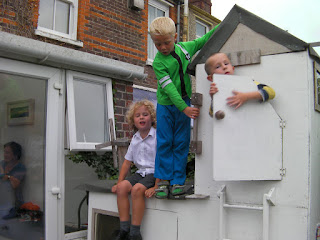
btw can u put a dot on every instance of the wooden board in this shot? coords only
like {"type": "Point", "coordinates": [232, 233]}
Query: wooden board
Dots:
{"type": "Point", "coordinates": [247, 143]}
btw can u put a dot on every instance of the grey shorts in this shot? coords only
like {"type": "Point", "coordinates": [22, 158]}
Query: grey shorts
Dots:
{"type": "Point", "coordinates": [148, 181]}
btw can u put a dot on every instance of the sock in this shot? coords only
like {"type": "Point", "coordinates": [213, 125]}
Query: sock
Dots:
{"type": "Point", "coordinates": [134, 230]}
{"type": "Point", "coordinates": [124, 226]}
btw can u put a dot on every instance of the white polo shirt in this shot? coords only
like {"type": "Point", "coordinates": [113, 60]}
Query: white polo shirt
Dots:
{"type": "Point", "coordinates": [142, 152]}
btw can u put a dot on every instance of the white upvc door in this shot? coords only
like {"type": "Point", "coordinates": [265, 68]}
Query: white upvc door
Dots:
{"type": "Point", "coordinates": [49, 193]}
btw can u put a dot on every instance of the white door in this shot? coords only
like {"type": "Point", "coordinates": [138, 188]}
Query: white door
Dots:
{"type": "Point", "coordinates": [37, 125]}
{"type": "Point", "coordinates": [247, 142]}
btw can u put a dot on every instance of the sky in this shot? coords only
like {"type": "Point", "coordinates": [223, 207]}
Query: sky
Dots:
{"type": "Point", "coordinates": [300, 18]}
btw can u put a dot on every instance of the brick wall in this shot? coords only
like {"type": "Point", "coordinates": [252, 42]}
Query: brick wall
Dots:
{"type": "Point", "coordinates": [122, 98]}
{"type": "Point", "coordinates": [202, 4]}
{"type": "Point", "coordinates": [107, 28]}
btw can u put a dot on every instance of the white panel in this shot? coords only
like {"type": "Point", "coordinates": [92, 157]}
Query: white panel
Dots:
{"type": "Point", "coordinates": [247, 143]}
{"type": "Point", "coordinates": [159, 223]}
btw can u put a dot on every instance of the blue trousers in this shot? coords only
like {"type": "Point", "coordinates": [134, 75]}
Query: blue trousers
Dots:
{"type": "Point", "coordinates": [173, 139]}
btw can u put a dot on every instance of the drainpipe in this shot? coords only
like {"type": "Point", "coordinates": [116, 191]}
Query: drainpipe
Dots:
{"type": "Point", "coordinates": [185, 21]}
{"type": "Point", "coordinates": [178, 21]}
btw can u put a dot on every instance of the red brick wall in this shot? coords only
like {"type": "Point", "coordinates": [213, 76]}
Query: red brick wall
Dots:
{"type": "Point", "coordinates": [202, 4]}
{"type": "Point", "coordinates": [122, 98]}
{"type": "Point", "coordinates": [107, 28]}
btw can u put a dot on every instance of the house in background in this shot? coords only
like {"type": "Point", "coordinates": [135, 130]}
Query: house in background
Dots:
{"type": "Point", "coordinates": [72, 65]}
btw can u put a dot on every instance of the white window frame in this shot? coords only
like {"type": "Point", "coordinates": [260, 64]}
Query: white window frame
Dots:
{"type": "Point", "coordinates": [71, 131]}
{"type": "Point", "coordinates": [203, 24]}
{"type": "Point", "coordinates": [70, 38]}
{"type": "Point", "coordinates": [163, 6]}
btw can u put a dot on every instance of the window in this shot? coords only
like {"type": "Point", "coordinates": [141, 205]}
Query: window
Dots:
{"type": "Point", "coordinates": [201, 29]}
{"type": "Point", "coordinates": [156, 9]}
{"type": "Point", "coordinates": [58, 20]}
{"type": "Point", "coordinates": [317, 86]}
{"type": "Point", "coordinates": [90, 105]}
{"type": "Point", "coordinates": [140, 93]}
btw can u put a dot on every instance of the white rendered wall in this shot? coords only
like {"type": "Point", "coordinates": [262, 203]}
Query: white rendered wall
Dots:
{"type": "Point", "coordinates": [288, 75]}
{"type": "Point", "coordinates": [314, 189]}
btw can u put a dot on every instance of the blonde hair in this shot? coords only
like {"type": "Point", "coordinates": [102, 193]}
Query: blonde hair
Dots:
{"type": "Point", "coordinates": [134, 106]}
{"type": "Point", "coordinates": [208, 67]}
{"type": "Point", "coordinates": [163, 26]}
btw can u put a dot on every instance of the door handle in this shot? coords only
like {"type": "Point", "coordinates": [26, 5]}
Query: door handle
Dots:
{"type": "Point", "coordinates": [56, 191]}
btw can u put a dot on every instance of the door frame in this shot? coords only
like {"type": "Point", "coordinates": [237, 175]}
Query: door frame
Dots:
{"type": "Point", "coordinates": [54, 140]}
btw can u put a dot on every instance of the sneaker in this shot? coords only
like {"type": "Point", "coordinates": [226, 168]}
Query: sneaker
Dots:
{"type": "Point", "coordinates": [163, 190]}
{"type": "Point", "coordinates": [122, 235]}
{"type": "Point", "coordinates": [135, 237]}
{"type": "Point", "coordinates": [178, 189]}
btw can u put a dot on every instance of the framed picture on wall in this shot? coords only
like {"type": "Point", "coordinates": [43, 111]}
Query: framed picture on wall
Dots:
{"type": "Point", "coordinates": [20, 112]}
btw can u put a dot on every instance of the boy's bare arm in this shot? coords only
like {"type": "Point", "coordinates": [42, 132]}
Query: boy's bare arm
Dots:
{"type": "Point", "coordinates": [123, 173]}
{"type": "Point", "coordinates": [151, 191]}
{"type": "Point", "coordinates": [213, 89]}
{"type": "Point", "coordinates": [239, 98]}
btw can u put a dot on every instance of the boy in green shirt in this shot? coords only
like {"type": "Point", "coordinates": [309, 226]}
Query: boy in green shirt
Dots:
{"type": "Point", "coordinates": [173, 108]}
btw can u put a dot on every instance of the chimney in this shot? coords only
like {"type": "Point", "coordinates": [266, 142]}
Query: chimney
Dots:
{"type": "Point", "coordinates": [202, 4]}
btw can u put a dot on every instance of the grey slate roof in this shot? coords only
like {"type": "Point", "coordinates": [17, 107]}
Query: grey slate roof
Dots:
{"type": "Point", "coordinates": [229, 24]}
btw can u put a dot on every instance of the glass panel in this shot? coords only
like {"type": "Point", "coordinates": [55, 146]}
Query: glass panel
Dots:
{"type": "Point", "coordinates": [200, 30]}
{"type": "Point", "coordinates": [160, 13]}
{"type": "Point", "coordinates": [140, 94]}
{"type": "Point", "coordinates": [62, 17]}
{"type": "Point", "coordinates": [46, 14]}
{"type": "Point", "coordinates": [22, 210]}
{"type": "Point", "coordinates": [152, 14]}
{"type": "Point", "coordinates": [90, 111]}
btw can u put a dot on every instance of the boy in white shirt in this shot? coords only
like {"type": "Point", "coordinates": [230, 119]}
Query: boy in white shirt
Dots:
{"type": "Point", "coordinates": [141, 116]}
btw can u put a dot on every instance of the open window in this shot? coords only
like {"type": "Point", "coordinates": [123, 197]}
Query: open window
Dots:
{"type": "Point", "coordinates": [90, 105]}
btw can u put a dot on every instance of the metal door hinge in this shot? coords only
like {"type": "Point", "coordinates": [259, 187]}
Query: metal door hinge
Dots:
{"type": "Point", "coordinates": [282, 123]}
{"type": "Point", "coordinates": [282, 171]}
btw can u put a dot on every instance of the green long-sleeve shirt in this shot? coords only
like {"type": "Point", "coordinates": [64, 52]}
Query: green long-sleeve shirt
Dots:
{"type": "Point", "coordinates": [166, 68]}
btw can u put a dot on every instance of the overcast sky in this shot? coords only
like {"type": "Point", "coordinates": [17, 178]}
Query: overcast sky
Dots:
{"type": "Point", "coordinates": [301, 18]}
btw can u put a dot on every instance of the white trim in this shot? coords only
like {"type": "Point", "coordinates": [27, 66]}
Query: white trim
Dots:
{"type": "Point", "coordinates": [72, 137]}
{"type": "Point", "coordinates": [44, 32]}
{"type": "Point", "coordinates": [167, 3]}
{"type": "Point", "coordinates": [144, 88]}
{"type": "Point", "coordinates": [161, 4]}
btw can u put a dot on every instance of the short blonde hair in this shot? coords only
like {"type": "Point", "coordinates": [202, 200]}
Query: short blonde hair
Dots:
{"type": "Point", "coordinates": [163, 26]}
{"type": "Point", "coordinates": [134, 106]}
{"type": "Point", "coordinates": [208, 67]}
